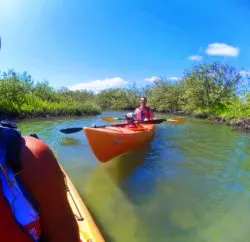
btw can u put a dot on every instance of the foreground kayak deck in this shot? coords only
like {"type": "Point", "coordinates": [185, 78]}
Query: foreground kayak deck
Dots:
{"type": "Point", "coordinates": [87, 227]}
{"type": "Point", "coordinates": [109, 142]}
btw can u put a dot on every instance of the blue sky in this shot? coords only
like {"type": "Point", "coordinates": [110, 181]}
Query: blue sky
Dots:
{"type": "Point", "coordinates": [97, 43]}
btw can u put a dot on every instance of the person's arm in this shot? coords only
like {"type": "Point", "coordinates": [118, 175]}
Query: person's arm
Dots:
{"type": "Point", "coordinates": [136, 113]}
{"type": "Point", "coordinates": [44, 179]}
{"type": "Point", "coordinates": [151, 114]}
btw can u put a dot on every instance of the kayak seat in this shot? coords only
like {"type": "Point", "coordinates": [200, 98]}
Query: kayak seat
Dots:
{"type": "Point", "coordinates": [138, 128]}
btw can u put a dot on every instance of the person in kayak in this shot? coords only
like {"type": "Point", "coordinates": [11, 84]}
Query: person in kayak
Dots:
{"type": "Point", "coordinates": [33, 197]}
{"type": "Point", "coordinates": [143, 113]}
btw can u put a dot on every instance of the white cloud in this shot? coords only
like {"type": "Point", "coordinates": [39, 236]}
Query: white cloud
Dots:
{"type": "Point", "coordinates": [99, 85]}
{"type": "Point", "coordinates": [157, 78]}
{"type": "Point", "coordinates": [174, 78]}
{"type": "Point", "coordinates": [221, 49]}
{"type": "Point", "coordinates": [245, 73]}
{"type": "Point", "coordinates": [195, 58]}
{"type": "Point", "coordinates": [152, 79]}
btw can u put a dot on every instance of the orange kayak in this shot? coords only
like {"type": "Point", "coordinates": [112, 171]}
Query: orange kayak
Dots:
{"type": "Point", "coordinates": [109, 142]}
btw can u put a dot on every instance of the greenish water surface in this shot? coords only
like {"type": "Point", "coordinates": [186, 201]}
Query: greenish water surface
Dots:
{"type": "Point", "coordinates": [191, 183]}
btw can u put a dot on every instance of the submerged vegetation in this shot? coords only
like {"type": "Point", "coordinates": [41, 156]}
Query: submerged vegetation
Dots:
{"type": "Point", "coordinates": [217, 90]}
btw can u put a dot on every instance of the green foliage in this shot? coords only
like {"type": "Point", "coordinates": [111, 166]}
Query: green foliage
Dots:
{"type": "Point", "coordinates": [212, 89]}
{"type": "Point", "coordinates": [165, 96]}
{"type": "Point", "coordinates": [44, 91]}
{"type": "Point", "coordinates": [119, 99]}
{"type": "Point", "coordinates": [210, 86]}
{"type": "Point", "coordinates": [20, 97]}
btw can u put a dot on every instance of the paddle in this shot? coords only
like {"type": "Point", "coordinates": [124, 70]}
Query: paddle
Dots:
{"type": "Point", "coordinates": [173, 120]}
{"type": "Point", "coordinates": [77, 129]}
{"type": "Point", "coordinates": [154, 121]}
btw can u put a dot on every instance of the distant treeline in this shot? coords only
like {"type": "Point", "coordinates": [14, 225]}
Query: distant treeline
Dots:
{"type": "Point", "coordinates": [21, 97]}
{"type": "Point", "coordinates": [215, 89]}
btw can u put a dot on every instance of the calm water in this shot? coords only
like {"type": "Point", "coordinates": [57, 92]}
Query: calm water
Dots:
{"type": "Point", "coordinates": [191, 183]}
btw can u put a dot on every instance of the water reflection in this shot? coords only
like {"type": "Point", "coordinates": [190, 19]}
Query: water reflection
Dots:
{"type": "Point", "coordinates": [121, 167]}
{"type": "Point", "coordinates": [70, 141]}
{"type": "Point", "coordinates": [113, 173]}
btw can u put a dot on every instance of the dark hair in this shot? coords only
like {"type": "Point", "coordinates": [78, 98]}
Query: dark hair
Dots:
{"type": "Point", "coordinates": [144, 98]}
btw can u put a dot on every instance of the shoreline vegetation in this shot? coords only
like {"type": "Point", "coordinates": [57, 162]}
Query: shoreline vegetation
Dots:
{"type": "Point", "coordinates": [214, 91]}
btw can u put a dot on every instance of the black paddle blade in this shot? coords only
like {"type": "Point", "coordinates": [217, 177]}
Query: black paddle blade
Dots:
{"type": "Point", "coordinates": [71, 130]}
{"type": "Point", "coordinates": [153, 121]}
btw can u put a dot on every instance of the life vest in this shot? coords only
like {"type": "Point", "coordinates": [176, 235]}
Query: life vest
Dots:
{"type": "Point", "coordinates": [19, 218]}
{"type": "Point", "coordinates": [142, 112]}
